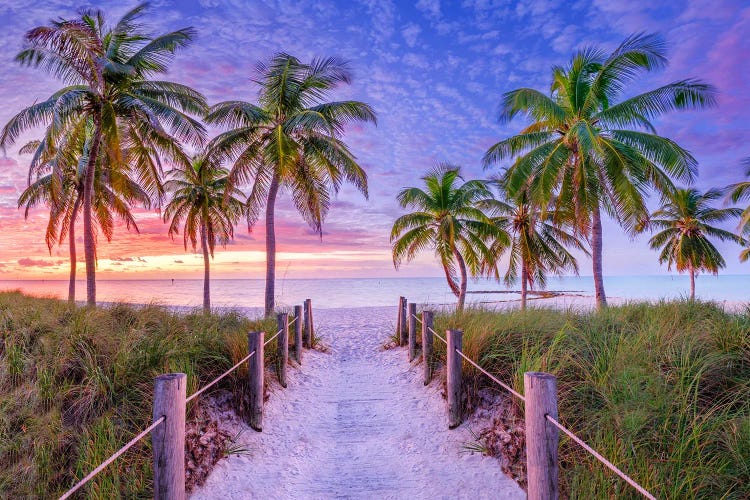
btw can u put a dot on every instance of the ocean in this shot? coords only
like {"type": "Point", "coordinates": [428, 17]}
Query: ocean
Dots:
{"type": "Point", "coordinates": [367, 292]}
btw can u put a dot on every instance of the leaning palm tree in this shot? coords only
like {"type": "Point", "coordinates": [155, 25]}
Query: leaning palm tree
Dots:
{"type": "Point", "coordinates": [56, 180]}
{"type": "Point", "coordinates": [685, 223]}
{"type": "Point", "coordinates": [593, 152]}
{"type": "Point", "coordinates": [448, 219]}
{"type": "Point", "coordinates": [207, 206]}
{"type": "Point", "coordinates": [738, 192]}
{"type": "Point", "coordinates": [538, 244]}
{"type": "Point", "coordinates": [108, 73]}
{"type": "Point", "coordinates": [291, 139]}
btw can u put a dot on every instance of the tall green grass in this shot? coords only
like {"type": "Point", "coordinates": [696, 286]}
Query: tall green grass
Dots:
{"type": "Point", "coordinates": [662, 390]}
{"type": "Point", "coordinates": [77, 383]}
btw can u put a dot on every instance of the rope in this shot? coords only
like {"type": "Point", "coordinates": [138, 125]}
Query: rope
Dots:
{"type": "Point", "coordinates": [269, 340]}
{"type": "Point", "coordinates": [438, 336]}
{"type": "Point", "coordinates": [503, 385]}
{"type": "Point", "coordinates": [415, 317]}
{"type": "Point", "coordinates": [111, 459]}
{"type": "Point", "coordinates": [216, 380]}
{"type": "Point", "coordinates": [557, 424]}
{"type": "Point", "coordinates": [603, 460]}
{"type": "Point", "coordinates": [293, 320]}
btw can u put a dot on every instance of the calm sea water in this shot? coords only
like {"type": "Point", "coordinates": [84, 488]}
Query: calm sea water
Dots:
{"type": "Point", "coordinates": [334, 293]}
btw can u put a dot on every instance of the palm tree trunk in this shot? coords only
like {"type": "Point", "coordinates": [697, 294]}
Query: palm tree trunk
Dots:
{"type": "Point", "coordinates": [89, 244]}
{"type": "Point", "coordinates": [596, 256]}
{"type": "Point", "coordinates": [692, 283]}
{"type": "Point", "coordinates": [206, 277]}
{"type": "Point", "coordinates": [271, 246]}
{"type": "Point", "coordinates": [464, 279]}
{"type": "Point", "coordinates": [72, 246]}
{"type": "Point", "coordinates": [524, 286]}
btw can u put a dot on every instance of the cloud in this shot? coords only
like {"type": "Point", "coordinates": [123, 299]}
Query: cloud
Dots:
{"type": "Point", "coordinates": [28, 262]}
{"type": "Point", "coordinates": [411, 34]}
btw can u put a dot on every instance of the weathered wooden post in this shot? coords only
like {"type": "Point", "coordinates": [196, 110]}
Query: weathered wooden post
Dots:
{"type": "Point", "coordinates": [255, 375]}
{"type": "Point", "coordinates": [454, 361]}
{"type": "Point", "coordinates": [540, 391]}
{"type": "Point", "coordinates": [309, 335]}
{"type": "Point", "coordinates": [398, 319]}
{"type": "Point", "coordinates": [427, 345]}
{"type": "Point", "coordinates": [282, 320]}
{"type": "Point", "coordinates": [412, 331]}
{"type": "Point", "coordinates": [168, 438]}
{"type": "Point", "coordinates": [298, 333]}
{"type": "Point", "coordinates": [402, 326]}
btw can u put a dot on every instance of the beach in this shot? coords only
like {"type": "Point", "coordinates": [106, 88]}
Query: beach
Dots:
{"type": "Point", "coordinates": [357, 422]}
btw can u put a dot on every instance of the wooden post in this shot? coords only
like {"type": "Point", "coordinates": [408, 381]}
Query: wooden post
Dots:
{"type": "Point", "coordinates": [298, 333]}
{"type": "Point", "coordinates": [309, 333]}
{"type": "Point", "coordinates": [404, 333]}
{"type": "Point", "coordinates": [312, 323]}
{"type": "Point", "coordinates": [454, 361]}
{"type": "Point", "coordinates": [398, 320]}
{"type": "Point", "coordinates": [255, 374]}
{"type": "Point", "coordinates": [427, 345]}
{"type": "Point", "coordinates": [282, 320]}
{"type": "Point", "coordinates": [168, 438]}
{"type": "Point", "coordinates": [540, 390]}
{"type": "Point", "coordinates": [412, 331]}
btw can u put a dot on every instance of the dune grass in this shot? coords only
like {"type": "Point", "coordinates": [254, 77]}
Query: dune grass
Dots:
{"type": "Point", "coordinates": [76, 384]}
{"type": "Point", "coordinates": [662, 390]}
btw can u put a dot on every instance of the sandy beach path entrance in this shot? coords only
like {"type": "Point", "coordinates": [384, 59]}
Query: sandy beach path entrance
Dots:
{"type": "Point", "coordinates": [356, 422]}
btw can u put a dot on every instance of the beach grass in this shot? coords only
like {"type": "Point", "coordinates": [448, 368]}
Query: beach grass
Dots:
{"type": "Point", "coordinates": [662, 390]}
{"type": "Point", "coordinates": [76, 384]}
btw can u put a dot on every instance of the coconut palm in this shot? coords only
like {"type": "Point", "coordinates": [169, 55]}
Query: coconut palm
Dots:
{"type": "Point", "coordinates": [593, 152]}
{"type": "Point", "coordinates": [207, 206]}
{"type": "Point", "coordinates": [291, 139]}
{"type": "Point", "coordinates": [56, 180]}
{"type": "Point", "coordinates": [538, 244]}
{"type": "Point", "coordinates": [684, 223]}
{"type": "Point", "coordinates": [738, 192]}
{"type": "Point", "coordinates": [108, 73]}
{"type": "Point", "coordinates": [448, 219]}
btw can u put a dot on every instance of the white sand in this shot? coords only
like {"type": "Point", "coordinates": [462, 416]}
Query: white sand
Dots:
{"type": "Point", "coordinates": [357, 422]}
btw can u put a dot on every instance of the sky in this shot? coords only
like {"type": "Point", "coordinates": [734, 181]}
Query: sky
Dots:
{"type": "Point", "coordinates": [433, 70]}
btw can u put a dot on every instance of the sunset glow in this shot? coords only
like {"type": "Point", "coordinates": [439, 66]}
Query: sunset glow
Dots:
{"type": "Point", "coordinates": [434, 73]}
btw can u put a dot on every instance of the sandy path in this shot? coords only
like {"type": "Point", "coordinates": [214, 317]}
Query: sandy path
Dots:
{"type": "Point", "coordinates": [357, 423]}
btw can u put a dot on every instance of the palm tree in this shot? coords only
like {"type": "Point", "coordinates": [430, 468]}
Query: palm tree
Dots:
{"type": "Point", "coordinates": [56, 179]}
{"type": "Point", "coordinates": [591, 152]}
{"type": "Point", "coordinates": [207, 206]}
{"type": "Point", "coordinates": [448, 219]}
{"type": "Point", "coordinates": [741, 191]}
{"type": "Point", "coordinates": [684, 221]}
{"type": "Point", "coordinates": [538, 244]}
{"type": "Point", "coordinates": [291, 139]}
{"type": "Point", "coordinates": [107, 71]}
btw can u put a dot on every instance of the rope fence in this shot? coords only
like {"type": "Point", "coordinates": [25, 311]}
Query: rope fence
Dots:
{"type": "Point", "coordinates": [111, 459]}
{"type": "Point", "coordinates": [541, 409]}
{"type": "Point", "coordinates": [491, 377]}
{"type": "Point", "coordinates": [272, 338]}
{"type": "Point", "coordinates": [603, 460]}
{"type": "Point", "coordinates": [169, 394]}
{"type": "Point", "coordinates": [217, 379]}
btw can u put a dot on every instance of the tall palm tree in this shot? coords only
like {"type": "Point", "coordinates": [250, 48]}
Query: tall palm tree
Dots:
{"type": "Point", "coordinates": [449, 220]}
{"type": "Point", "coordinates": [684, 221]}
{"type": "Point", "coordinates": [593, 152]}
{"type": "Point", "coordinates": [738, 192]}
{"type": "Point", "coordinates": [291, 139]}
{"type": "Point", "coordinates": [207, 206]}
{"type": "Point", "coordinates": [538, 244]}
{"type": "Point", "coordinates": [56, 179]}
{"type": "Point", "coordinates": [108, 73]}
